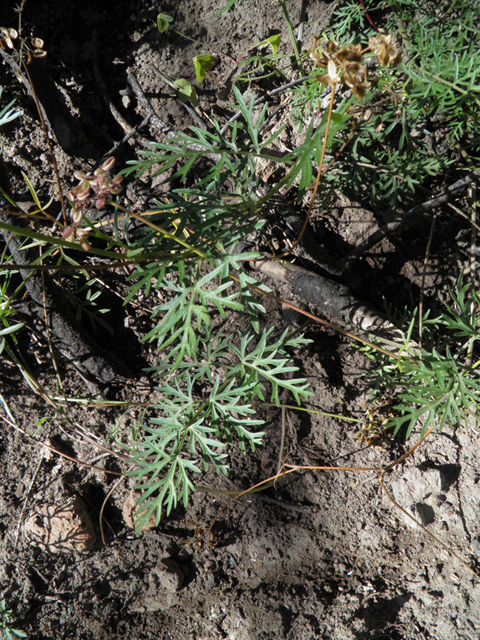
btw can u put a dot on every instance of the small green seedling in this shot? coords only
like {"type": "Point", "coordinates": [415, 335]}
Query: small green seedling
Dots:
{"type": "Point", "coordinates": [163, 22]}
{"type": "Point", "coordinates": [206, 61]}
{"type": "Point", "coordinates": [273, 41]}
{"type": "Point", "coordinates": [186, 91]}
{"type": "Point", "coordinates": [6, 620]}
{"type": "Point", "coordinates": [203, 63]}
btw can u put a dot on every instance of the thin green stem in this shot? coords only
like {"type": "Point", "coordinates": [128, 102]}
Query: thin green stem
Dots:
{"type": "Point", "coordinates": [298, 57]}
{"type": "Point", "coordinates": [167, 234]}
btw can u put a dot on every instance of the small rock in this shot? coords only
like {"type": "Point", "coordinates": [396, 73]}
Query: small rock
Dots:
{"type": "Point", "coordinates": [129, 509]}
{"type": "Point", "coordinates": [425, 513]}
{"type": "Point", "coordinates": [170, 574]}
{"type": "Point", "coordinates": [65, 526]}
{"type": "Point", "coordinates": [20, 490]}
{"type": "Point", "coordinates": [476, 545]}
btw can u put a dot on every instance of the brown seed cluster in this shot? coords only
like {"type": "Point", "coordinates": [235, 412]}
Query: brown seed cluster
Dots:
{"type": "Point", "coordinates": [345, 64]}
{"type": "Point", "coordinates": [33, 46]}
{"type": "Point", "coordinates": [383, 46]}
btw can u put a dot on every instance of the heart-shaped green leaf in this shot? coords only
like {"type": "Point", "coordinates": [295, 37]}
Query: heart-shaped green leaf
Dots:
{"type": "Point", "coordinates": [274, 42]}
{"type": "Point", "coordinates": [163, 21]}
{"type": "Point", "coordinates": [202, 64]}
{"type": "Point", "coordinates": [186, 91]}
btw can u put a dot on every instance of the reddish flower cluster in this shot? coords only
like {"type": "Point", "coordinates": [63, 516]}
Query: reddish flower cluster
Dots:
{"type": "Point", "coordinates": [95, 189]}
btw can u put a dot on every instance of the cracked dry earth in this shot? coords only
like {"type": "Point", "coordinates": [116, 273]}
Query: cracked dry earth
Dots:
{"type": "Point", "coordinates": [323, 555]}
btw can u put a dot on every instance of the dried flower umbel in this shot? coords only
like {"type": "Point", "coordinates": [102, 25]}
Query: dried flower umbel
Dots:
{"type": "Point", "coordinates": [95, 189]}
{"type": "Point", "coordinates": [33, 46]}
{"type": "Point", "coordinates": [384, 48]}
{"type": "Point", "coordinates": [346, 64]}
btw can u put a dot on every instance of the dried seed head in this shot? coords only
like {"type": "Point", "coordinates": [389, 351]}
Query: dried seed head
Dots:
{"type": "Point", "coordinates": [384, 47]}
{"type": "Point", "coordinates": [100, 203]}
{"type": "Point", "coordinates": [6, 37]}
{"type": "Point", "coordinates": [80, 175]}
{"type": "Point", "coordinates": [332, 72]}
{"type": "Point", "coordinates": [82, 235]}
{"type": "Point", "coordinates": [360, 89]}
{"type": "Point", "coordinates": [83, 195]}
{"type": "Point", "coordinates": [347, 60]}
{"type": "Point", "coordinates": [350, 54]}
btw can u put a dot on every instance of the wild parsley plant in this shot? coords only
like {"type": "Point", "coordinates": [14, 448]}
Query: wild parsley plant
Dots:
{"type": "Point", "coordinates": [211, 380]}
{"type": "Point", "coordinates": [437, 384]}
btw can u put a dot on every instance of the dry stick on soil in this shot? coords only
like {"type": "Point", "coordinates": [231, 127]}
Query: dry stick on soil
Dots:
{"type": "Point", "coordinates": [403, 219]}
{"type": "Point", "coordinates": [325, 323]}
{"type": "Point", "coordinates": [133, 131]}
{"type": "Point", "coordinates": [130, 131]}
{"type": "Point", "coordinates": [154, 119]}
{"type": "Point", "coordinates": [169, 82]}
{"type": "Point", "coordinates": [337, 301]}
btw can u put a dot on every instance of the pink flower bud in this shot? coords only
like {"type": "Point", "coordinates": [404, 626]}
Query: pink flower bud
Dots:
{"type": "Point", "coordinates": [83, 195]}
{"type": "Point", "coordinates": [82, 235]}
{"type": "Point", "coordinates": [108, 164]}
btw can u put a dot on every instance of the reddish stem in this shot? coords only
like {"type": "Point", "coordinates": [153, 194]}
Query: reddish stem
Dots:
{"type": "Point", "coordinates": [368, 17]}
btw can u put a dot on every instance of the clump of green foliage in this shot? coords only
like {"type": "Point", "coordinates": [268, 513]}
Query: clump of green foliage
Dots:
{"type": "Point", "coordinates": [211, 381]}
{"type": "Point", "coordinates": [435, 384]}
{"type": "Point", "coordinates": [6, 622]}
{"type": "Point", "coordinates": [410, 127]}
{"type": "Point", "coordinates": [7, 114]}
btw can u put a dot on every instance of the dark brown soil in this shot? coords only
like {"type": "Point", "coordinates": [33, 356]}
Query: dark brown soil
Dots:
{"type": "Point", "coordinates": [323, 555]}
